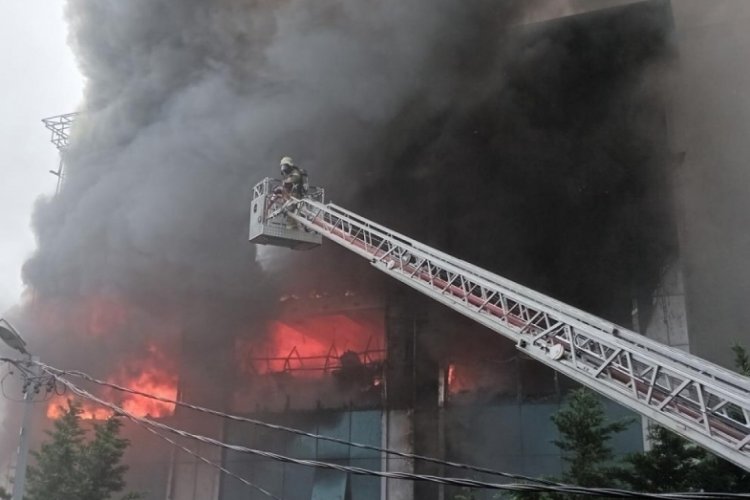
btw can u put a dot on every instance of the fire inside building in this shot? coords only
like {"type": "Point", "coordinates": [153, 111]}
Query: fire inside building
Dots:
{"type": "Point", "coordinates": [571, 192]}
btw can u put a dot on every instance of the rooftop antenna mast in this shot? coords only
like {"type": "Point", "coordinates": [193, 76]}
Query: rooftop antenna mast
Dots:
{"type": "Point", "coordinates": [60, 128]}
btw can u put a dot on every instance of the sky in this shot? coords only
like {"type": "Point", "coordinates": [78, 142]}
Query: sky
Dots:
{"type": "Point", "coordinates": [39, 78]}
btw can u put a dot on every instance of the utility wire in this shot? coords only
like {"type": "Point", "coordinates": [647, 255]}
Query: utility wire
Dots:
{"type": "Point", "coordinates": [299, 432]}
{"type": "Point", "coordinates": [609, 492]}
{"type": "Point", "coordinates": [29, 380]}
{"type": "Point", "coordinates": [205, 460]}
{"type": "Point", "coordinates": [54, 372]}
{"type": "Point", "coordinates": [162, 436]}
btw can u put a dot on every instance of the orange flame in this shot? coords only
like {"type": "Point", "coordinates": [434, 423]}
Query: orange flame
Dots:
{"type": "Point", "coordinates": [153, 374]}
{"type": "Point", "coordinates": [461, 378]}
{"type": "Point", "coordinates": [159, 384]}
{"type": "Point", "coordinates": [153, 381]}
{"type": "Point", "coordinates": [311, 346]}
{"type": "Point", "coordinates": [103, 318]}
{"type": "Point", "coordinates": [91, 411]}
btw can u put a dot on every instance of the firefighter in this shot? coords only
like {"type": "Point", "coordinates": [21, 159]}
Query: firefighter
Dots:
{"type": "Point", "coordinates": [293, 178]}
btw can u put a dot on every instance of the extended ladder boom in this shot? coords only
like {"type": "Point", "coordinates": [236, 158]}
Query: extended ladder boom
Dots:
{"type": "Point", "coordinates": [686, 394]}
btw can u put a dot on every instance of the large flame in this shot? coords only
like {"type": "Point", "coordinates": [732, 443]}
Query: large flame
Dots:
{"type": "Point", "coordinates": [150, 375]}
{"type": "Point", "coordinates": [154, 374]}
{"type": "Point", "coordinates": [108, 321]}
{"type": "Point", "coordinates": [59, 404]}
{"type": "Point", "coordinates": [312, 346]}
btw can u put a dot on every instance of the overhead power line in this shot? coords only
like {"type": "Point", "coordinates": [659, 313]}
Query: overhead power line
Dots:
{"type": "Point", "coordinates": [609, 492]}
{"type": "Point", "coordinates": [207, 461]}
{"type": "Point", "coordinates": [453, 481]}
{"type": "Point", "coordinates": [298, 432]}
{"type": "Point", "coordinates": [21, 365]}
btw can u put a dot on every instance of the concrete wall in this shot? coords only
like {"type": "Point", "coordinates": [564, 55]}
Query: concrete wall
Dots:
{"type": "Point", "coordinates": [710, 123]}
{"type": "Point", "coordinates": [398, 434]}
{"type": "Point", "coordinates": [667, 321]}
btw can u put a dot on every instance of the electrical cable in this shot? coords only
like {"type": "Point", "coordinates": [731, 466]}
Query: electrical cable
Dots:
{"type": "Point", "coordinates": [299, 432]}
{"type": "Point", "coordinates": [5, 395]}
{"type": "Point", "coordinates": [151, 430]}
{"type": "Point", "coordinates": [54, 372]}
{"type": "Point", "coordinates": [207, 461]}
{"type": "Point", "coordinates": [608, 492]}
{"type": "Point", "coordinates": [2, 387]}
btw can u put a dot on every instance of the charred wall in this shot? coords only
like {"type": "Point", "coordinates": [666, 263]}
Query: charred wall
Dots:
{"type": "Point", "coordinates": [554, 172]}
{"type": "Point", "coordinates": [556, 175]}
{"type": "Point", "coordinates": [559, 178]}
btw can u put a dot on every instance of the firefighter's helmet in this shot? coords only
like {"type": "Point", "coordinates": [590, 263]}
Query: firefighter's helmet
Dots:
{"type": "Point", "coordinates": [286, 165]}
{"type": "Point", "coordinates": [287, 161]}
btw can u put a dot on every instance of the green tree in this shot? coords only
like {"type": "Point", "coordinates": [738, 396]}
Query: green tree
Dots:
{"type": "Point", "coordinates": [57, 474]}
{"type": "Point", "coordinates": [464, 494]}
{"type": "Point", "coordinates": [741, 359]}
{"type": "Point", "coordinates": [4, 495]}
{"type": "Point", "coordinates": [672, 464]}
{"type": "Point", "coordinates": [717, 473]}
{"type": "Point", "coordinates": [71, 466]}
{"type": "Point", "coordinates": [101, 461]}
{"type": "Point", "coordinates": [675, 464]}
{"type": "Point", "coordinates": [584, 440]}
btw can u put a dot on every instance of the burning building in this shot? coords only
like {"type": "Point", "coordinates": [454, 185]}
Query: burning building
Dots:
{"type": "Point", "coordinates": [534, 139]}
{"type": "Point", "coordinates": [473, 182]}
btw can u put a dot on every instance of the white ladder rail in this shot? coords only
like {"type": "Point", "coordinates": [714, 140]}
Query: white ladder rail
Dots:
{"type": "Point", "coordinates": [710, 369]}
{"type": "Point", "coordinates": [686, 394]}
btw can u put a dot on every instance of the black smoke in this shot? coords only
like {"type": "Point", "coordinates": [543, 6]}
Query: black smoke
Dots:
{"type": "Point", "coordinates": [187, 105]}
{"type": "Point", "coordinates": [534, 151]}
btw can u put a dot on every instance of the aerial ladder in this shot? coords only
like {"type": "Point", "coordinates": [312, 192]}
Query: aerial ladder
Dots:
{"type": "Point", "coordinates": [697, 399]}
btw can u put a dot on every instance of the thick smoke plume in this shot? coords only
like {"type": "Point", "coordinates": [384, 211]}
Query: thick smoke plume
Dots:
{"type": "Point", "coordinates": [187, 105]}
{"type": "Point", "coordinates": [440, 117]}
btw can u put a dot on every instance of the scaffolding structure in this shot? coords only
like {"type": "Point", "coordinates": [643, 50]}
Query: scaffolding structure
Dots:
{"type": "Point", "coordinates": [59, 126]}
{"type": "Point", "coordinates": [327, 363]}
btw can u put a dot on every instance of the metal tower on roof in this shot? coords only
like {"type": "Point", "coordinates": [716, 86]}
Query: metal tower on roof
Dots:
{"type": "Point", "coordinates": [59, 126]}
